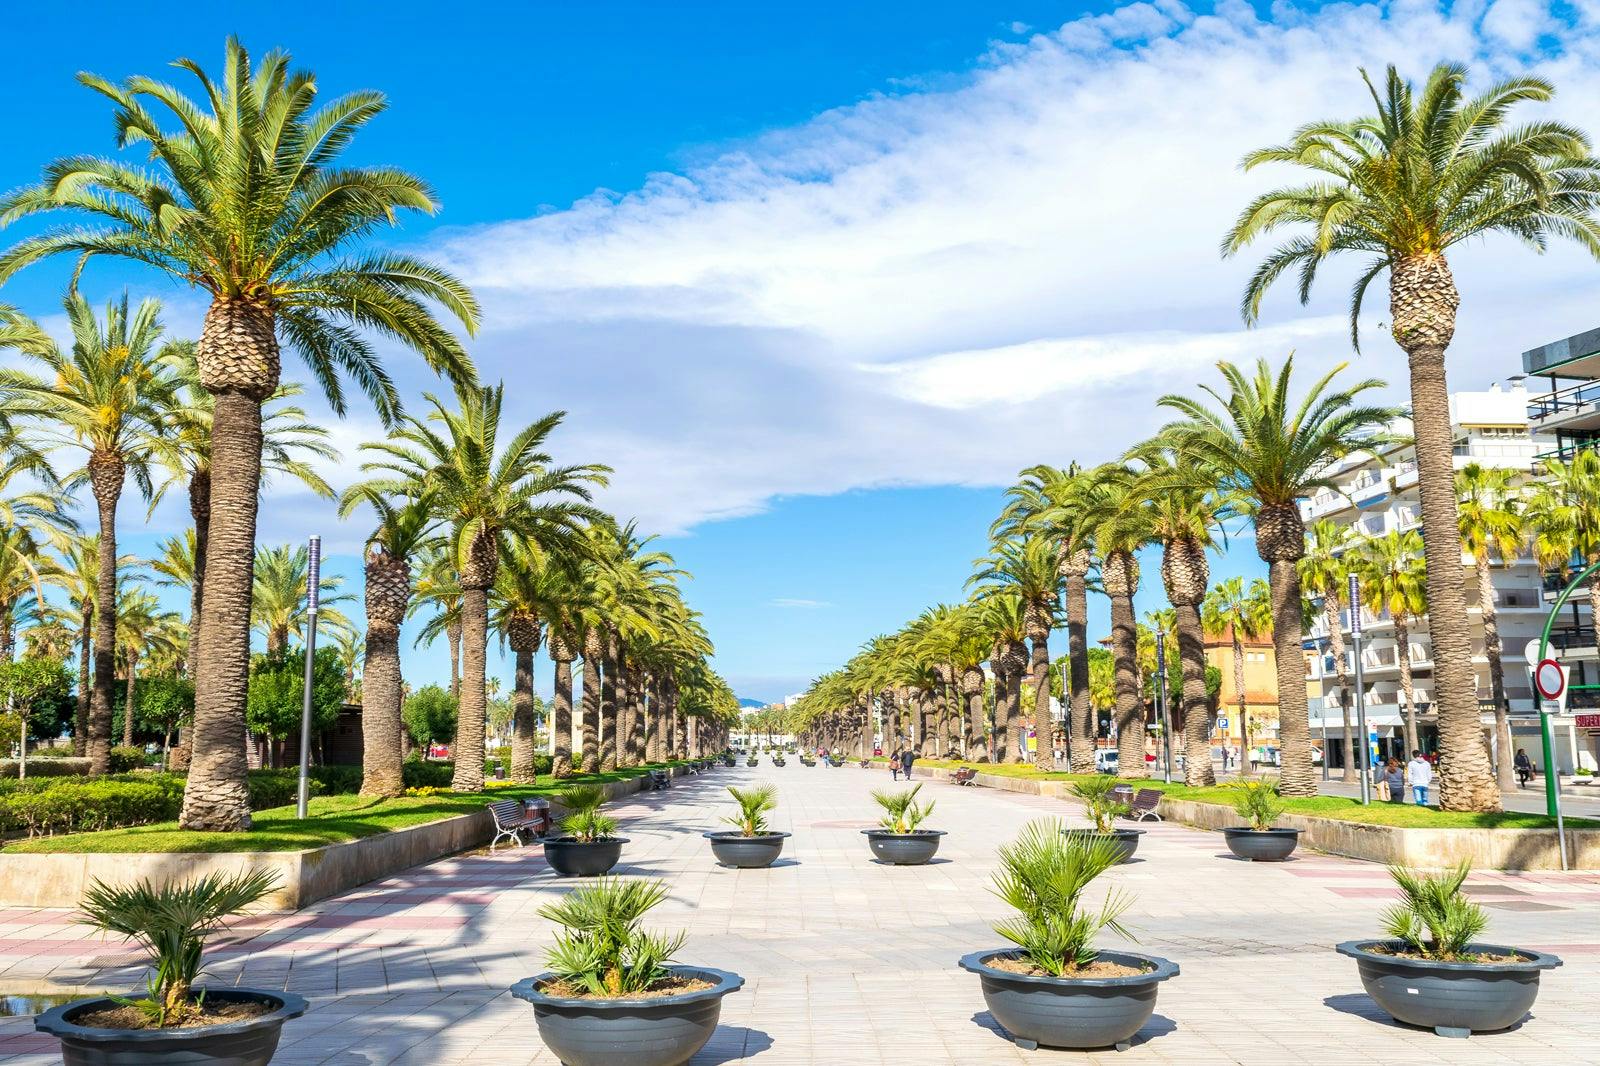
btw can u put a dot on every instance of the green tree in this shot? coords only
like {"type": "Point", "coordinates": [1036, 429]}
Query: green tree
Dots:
{"type": "Point", "coordinates": [1324, 573]}
{"type": "Point", "coordinates": [1400, 187]}
{"type": "Point", "coordinates": [38, 693]}
{"type": "Point", "coordinates": [108, 395]}
{"type": "Point", "coordinates": [1494, 527]}
{"type": "Point", "coordinates": [279, 604]}
{"type": "Point", "coordinates": [1392, 580]}
{"type": "Point", "coordinates": [276, 698]}
{"type": "Point", "coordinates": [247, 200]}
{"type": "Point", "coordinates": [165, 705]}
{"type": "Point", "coordinates": [1270, 451]}
{"type": "Point", "coordinates": [1243, 615]}
{"type": "Point", "coordinates": [430, 715]}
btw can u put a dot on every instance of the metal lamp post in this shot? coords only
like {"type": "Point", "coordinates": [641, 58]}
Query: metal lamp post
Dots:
{"type": "Point", "coordinates": [1361, 704]}
{"type": "Point", "coordinates": [313, 586]}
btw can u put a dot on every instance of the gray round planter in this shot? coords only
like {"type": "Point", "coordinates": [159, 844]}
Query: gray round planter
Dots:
{"type": "Point", "coordinates": [1065, 1013]}
{"type": "Point", "coordinates": [1451, 998]}
{"type": "Point", "coordinates": [575, 858]}
{"type": "Point", "coordinates": [1261, 845]}
{"type": "Point", "coordinates": [915, 848]}
{"type": "Point", "coordinates": [664, 1031]}
{"type": "Point", "coordinates": [746, 853]}
{"type": "Point", "coordinates": [247, 1043]}
{"type": "Point", "coordinates": [1126, 839]}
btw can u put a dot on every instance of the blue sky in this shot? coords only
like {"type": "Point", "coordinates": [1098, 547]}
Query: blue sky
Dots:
{"type": "Point", "coordinates": [818, 279]}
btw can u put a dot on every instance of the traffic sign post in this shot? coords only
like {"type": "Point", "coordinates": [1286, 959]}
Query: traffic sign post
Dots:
{"type": "Point", "coordinates": [1544, 680]}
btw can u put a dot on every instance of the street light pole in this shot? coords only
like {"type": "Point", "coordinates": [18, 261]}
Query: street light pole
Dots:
{"type": "Point", "coordinates": [1361, 704]}
{"type": "Point", "coordinates": [313, 583]}
{"type": "Point", "coordinates": [1161, 700]}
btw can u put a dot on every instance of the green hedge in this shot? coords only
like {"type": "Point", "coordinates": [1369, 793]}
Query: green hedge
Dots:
{"type": "Point", "coordinates": [125, 759]}
{"type": "Point", "coordinates": [85, 806]}
{"type": "Point", "coordinates": [46, 768]}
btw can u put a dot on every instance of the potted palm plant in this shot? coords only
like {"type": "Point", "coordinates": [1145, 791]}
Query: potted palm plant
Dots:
{"type": "Point", "coordinates": [753, 760]}
{"type": "Point", "coordinates": [751, 845]}
{"type": "Point", "coordinates": [898, 839]}
{"type": "Point", "coordinates": [611, 994]}
{"type": "Point", "coordinates": [1103, 807]}
{"type": "Point", "coordinates": [1433, 972]}
{"type": "Point", "coordinates": [1258, 802]}
{"type": "Point", "coordinates": [588, 846]}
{"type": "Point", "coordinates": [778, 759]}
{"type": "Point", "coordinates": [175, 1020]}
{"type": "Point", "coordinates": [1054, 988]}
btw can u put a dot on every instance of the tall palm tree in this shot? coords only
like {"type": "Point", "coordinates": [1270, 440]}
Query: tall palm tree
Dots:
{"type": "Point", "coordinates": [1564, 509]}
{"type": "Point", "coordinates": [1392, 580]}
{"type": "Point", "coordinates": [405, 527]}
{"type": "Point", "coordinates": [525, 597]}
{"type": "Point", "coordinates": [1494, 526]}
{"type": "Point", "coordinates": [439, 589]}
{"type": "Point", "coordinates": [246, 199]}
{"type": "Point", "coordinates": [143, 628]}
{"type": "Point", "coordinates": [1243, 615]}
{"type": "Point", "coordinates": [1324, 573]}
{"type": "Point", "coordinates": [23, 571]}
{"type": "Point", "coordinates": [280, 606]}
{"type": "Point", "coordinates": [1400, 187]}
{"type": "Point", "coordinates": [110, 396]}
{"type": "Point", "coordinates": [1031, 566]}
{"type": "Point", "coordinates": [1271, 451]}
{"type": "Point", "coordinates": [1121, 527]}
{"type": "Point", "coordinates": [289, 440]}
{"type": "Point", "coordinates": [1006, 619]}
{"type": "Point", "coordinates": [1182, 509]}
{"type": "Point", "coordinates": [485, 492]}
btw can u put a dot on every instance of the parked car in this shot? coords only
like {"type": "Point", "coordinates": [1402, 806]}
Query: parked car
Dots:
{"type": "Point", "coordinates": [1105, 760]}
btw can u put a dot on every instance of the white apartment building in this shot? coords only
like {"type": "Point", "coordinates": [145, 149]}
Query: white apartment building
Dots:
{"type": "Point", "coordinates": [1378, 495]}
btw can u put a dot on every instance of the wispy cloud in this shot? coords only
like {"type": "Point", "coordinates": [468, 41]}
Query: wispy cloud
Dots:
{"type": "Point", "coordinates": [784, 601]}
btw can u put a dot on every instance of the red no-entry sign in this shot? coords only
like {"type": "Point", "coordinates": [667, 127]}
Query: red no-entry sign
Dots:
{"type": "Point", "coordinates": [1549, 679]}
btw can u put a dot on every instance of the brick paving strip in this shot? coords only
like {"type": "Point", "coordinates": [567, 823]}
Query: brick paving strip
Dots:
{"type": "Point", "coordinates": [846, 961]}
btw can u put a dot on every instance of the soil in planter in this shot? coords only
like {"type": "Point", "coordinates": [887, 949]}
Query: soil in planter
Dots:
{"type": "Point", "coordinates": [672, 986]}
{"type": "Point", "coordinates": [1474, 959]}
{"type": "Point", "coordinates": [212, 1012]}
{"type": "Point", "coordinates": [1098, 968]}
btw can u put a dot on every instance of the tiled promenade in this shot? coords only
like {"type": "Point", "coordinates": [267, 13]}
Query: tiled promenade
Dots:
{"type": "Point", "coordinates": [850, 962]}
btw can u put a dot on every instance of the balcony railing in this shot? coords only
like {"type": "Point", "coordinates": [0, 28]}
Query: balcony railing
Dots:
{"type": "Point", "coordinates": [1554, 403]}
{"type": "Point", "coordinates": [1573, 637]}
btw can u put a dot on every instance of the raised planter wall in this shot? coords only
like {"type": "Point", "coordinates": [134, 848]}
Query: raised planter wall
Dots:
{"type": "Point", "coordinates": [1489, 849]}
{"type": "Point", "coordinates": [305, 876]}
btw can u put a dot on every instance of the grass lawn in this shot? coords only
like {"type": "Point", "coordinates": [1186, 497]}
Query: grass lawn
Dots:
{"type": "Point", "coordinates": [1404, 815]}
{"type": "Point", "coordinates": [331, 820]}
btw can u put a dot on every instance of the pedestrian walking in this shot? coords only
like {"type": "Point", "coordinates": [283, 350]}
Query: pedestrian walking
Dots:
{"type": "Point", "coordinates": [907, 757]}
{"type": "Point", "coordinates": [1392, 781]}
{"type": "Point", "coordinates": [894, 764]}
{"type": "Point", "coordinates": [1419, 775]}
{"type": "Point", "coordinates": [1524, 768]}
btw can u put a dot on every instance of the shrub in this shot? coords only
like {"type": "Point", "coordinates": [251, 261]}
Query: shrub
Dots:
{"type": "Point", "coordinates": [584, 820]}
{"type": "Point", "coordinates": [754, 803]}
{"type": "Point", "coordinates": [901, 812]}
{"type": "Point", "coordinates": [1258, 803]}
{"type": "Point", "coordinates": [63, 752]}
{"type": "Point", "coordinates": [1043, 875]}
{"type": "Point", "coordinates": [279, 788]}
{"type": "Point", "coordinates": [51, 767]}
{"type": "Point", "coordinates": [1099, 804]}
{"type": "Point", "coordinates": [125, 759]}
{"type": "Point", "coordinates": [1433, 919]}
{"type": "Point", "coordinates": [602, 949]}
{"type": "Point", "coordinates": [418, 773]}
{"type": "Point", "coordinates": [87, 806]}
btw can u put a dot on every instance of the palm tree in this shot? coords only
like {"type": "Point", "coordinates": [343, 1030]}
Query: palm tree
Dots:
{"type": "Point", "coordinates": [23, 572]}
{"type": "Point", "coordinates": [280, 606]}
{"type": "Point", "coordinates": [1493, 526]}
{"type": "Point", "coordinates": [1392, 580]}
{"type": "Point", "coordinates": [246, 200]}
{"type": "Point", "coordinates": [288, 441]}
{"type": "Point", "coordinates": [1243, 616]}
{"type": "Point", "coordinates": [143, 628]}
{"type": "Point", "coordinates": [439, 588]}
{"type": "Point", "coordinates": [1400, 187]}
{"type": "Point", "coordinates": [1121, 527]}
{"type": "Point", "coordinates": [108, 395]}
{"type": "Point", "coordinates": [1324, 573]}
{"type": "Point", "coordinates": [524, 598]}
{"type": "Point", "coordinates": [1564, 509]}
{"type": "Point", "coordinates": [1006, 619]}
{"type": "Point", "coordinates": [1271, 451]}
{"type": "Point", "coordinates": [1031, 566]}
{"type": "Point", "coordinates": [405, 526]}
{"type": "Point", "coordinates": [1182, 509]}
{"type": "Point", "coordinates": [486, 494]}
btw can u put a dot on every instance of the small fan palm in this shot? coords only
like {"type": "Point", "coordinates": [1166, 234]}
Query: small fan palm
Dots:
{"type": "Point", "coordinates": [1434, 919]}
{"type": "Point", "coordinates": [1258, 803]}
{"type": "Point", "coordinates": [754, 803]}
{"type": "Point", "coordinates": [584, 822]}
{"type": "Point", "coordinates": [603, 951]}
{"type": "Point", "coordinates": [1100, 802]}
{"type": "Point", "coordinates": [171, 923]}
{"type": "Point", "coordinates": [901, 811]}
{"type": "Point", "coordinates": [1043, 875]}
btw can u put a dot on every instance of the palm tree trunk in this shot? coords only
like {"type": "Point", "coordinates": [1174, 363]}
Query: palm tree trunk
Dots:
{"type": "Point", "coordinates": [216, 796]}
{"type": "Point", "coordinates": [1330, 612]}
{"type": "Point", "coordinates": [609, 740]}
{"type": "Point", "coordinates": [1504, 771]}
{"type": "Point", "coordinates": [522, 724]}
{"type": "Point", "coordinates": [452, 636]}
{"type": "Point", "coordinates": [561, 716]}
{"type": "Point", "coordinates": [1197, 769]}
{"type": "Point", "coordinates": [128, 703]}
{"type": "Point", "coordinates": [106, 474]}
{"type": "Point", "coordinates": [1044, 727]}
{"type": "Point", "coordinates": [1002, 710]}
{"type": "Point", "coordinates": [1245, 768]}
{"type": "Point", "coordinates": [382, 767]}
{"type": "Point", "coordinates": [1402, 639]}
{"type": "Point", "coordinates": [1297, 774]}
{"type": "Point", "coordinates": [590, 725]}
{"type": "Point", "coordinates": [654, 750]}
{"type": "Point", "coordinates": [200, 511]}
{"type": "Point", "coordinates": [1130, 708]}
{"type": "Point", "coordinates": [1081, 739]}
{"type": "Point", "coordinates": [468, 750]}
{"type": "Point", "coordinates": [80, 718]}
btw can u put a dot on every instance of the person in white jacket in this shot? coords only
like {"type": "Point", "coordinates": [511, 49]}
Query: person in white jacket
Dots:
{"type": "Point", "coordinates": [1419, 775]}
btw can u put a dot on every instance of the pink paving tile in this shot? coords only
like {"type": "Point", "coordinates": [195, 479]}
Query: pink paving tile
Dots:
{"type": "Point", "coordinates": [25, 1042]}
{"type": "Point", "coordinates": [1365, 893]}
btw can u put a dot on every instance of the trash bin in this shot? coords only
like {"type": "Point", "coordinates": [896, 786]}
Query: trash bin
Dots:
{"type": "Point", "coordinates": [539, 810]}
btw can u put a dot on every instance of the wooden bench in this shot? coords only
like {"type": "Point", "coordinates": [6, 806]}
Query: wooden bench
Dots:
{"type": "Point", "coordinates": [964, 775]}
{"type": "Point", "coordinates": [512, 820]}
{"type": "Point", "coordinates": [1144, 805]}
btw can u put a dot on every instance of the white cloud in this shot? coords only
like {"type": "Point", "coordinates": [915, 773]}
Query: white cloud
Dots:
{"type": "Point", "coordinates": [946, 285]}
